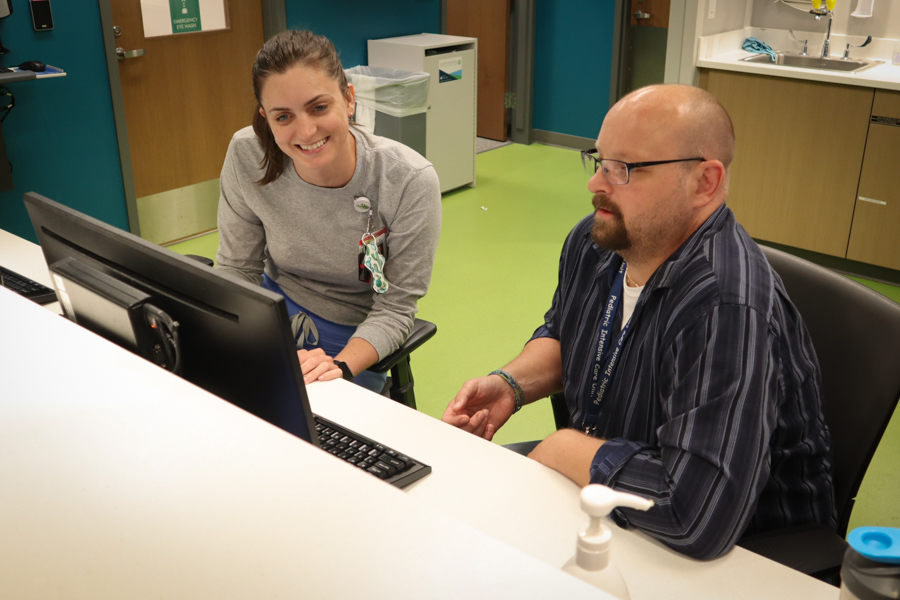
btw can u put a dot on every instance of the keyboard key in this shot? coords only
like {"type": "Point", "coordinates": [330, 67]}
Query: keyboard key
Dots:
{"type": "Point", "coordinates": [378, 472]}
{"type": "Point", "coordinates": [398, 465]}
{"type": "Point", "coordinates": [386, 467]}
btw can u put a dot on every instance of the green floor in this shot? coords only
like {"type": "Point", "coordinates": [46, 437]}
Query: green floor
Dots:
{"type": "Point", "coordinates": [494, 277]}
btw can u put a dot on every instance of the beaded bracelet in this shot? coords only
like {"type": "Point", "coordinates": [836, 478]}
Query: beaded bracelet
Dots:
{"type": "Point", "coordinates": [517, 389]}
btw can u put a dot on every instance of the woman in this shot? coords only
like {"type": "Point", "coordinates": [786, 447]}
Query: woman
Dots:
{"type": "Point", "coordinates": [306, 200]}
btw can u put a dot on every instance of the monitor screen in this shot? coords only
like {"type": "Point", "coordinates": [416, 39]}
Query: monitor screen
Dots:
{"type": "Point", "coordinates": [235, 338]}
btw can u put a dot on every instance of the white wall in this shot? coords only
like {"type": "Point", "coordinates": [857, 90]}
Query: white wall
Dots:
{"type": "Point", "coordinates": [884, 22]}
{"type": "Point", "coordinates": [729, 16]}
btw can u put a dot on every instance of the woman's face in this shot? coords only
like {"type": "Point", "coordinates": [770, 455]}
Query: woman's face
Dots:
{"type": "Point", "coordinates": [309, 118]}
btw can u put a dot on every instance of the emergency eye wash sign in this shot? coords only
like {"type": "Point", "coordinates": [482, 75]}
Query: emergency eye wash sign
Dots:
{"type": "Point", "coordinates": [168, 17]}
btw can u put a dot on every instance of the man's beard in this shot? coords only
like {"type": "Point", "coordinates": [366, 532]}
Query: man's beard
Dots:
{"type": "Point", "coordinates": [609, 233]}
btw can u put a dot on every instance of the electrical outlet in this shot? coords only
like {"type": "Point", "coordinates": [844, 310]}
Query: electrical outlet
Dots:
{"type": "Point", "coordinates": [711, 13]}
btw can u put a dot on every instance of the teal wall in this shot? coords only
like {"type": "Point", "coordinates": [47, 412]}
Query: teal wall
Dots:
{"type": "Point", "coordinates": [572, 65]}
{"type": "Point", "coordinates": [350, 23]}
{"type": "Point", "coordinates": [61, 136]}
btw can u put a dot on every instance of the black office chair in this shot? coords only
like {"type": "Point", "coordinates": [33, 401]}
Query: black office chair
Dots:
{"type": "Point", "coordinates": [856, 335]}
{"type": "Point", "coordinates": [400, 384]}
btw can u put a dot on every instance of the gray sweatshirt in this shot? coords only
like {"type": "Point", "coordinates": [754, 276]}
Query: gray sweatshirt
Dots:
{"type": "Point", "coordinates": [306, 238]}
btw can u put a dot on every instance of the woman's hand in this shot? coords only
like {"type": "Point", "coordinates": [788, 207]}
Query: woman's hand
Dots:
{"type": "Point", "coordinates": [318, 366]}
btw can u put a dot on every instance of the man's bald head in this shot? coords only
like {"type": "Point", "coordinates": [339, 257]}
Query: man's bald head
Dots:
{"type": "Point", "coordinates": [698, 121]}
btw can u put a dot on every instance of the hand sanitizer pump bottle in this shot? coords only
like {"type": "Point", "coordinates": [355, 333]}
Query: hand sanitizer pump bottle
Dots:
{"type": "Point", "coordinates": [592, 562]}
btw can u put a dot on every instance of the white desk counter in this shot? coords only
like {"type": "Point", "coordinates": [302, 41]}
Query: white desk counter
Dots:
{"type": "Point", "coordinates": [723, 51]}
{"type": "Point", "coordinates": [117, 479]}
{"type": "Point", "coordinates": [120, 480]}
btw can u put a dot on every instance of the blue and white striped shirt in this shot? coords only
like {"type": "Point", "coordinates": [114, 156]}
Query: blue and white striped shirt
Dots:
{"type": "Point", "coordinates": [714, 411]}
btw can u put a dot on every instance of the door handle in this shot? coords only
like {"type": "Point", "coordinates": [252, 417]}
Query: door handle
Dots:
{"type": "Point", "coordinates": [641, 15]}
{"type": "Point", "coordinates": [122, 54]}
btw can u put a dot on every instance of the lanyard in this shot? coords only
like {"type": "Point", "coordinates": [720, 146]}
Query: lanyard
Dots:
{"type": "Point", "coordinates": [605, 359]}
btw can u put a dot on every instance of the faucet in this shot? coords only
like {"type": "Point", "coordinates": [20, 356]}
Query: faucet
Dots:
{"type": "Point", "coordinates": [819, 13]}
{"type": "Point", "coordinates": [804, 42]}
{"type": "Point", "coordinates": [863, 45]}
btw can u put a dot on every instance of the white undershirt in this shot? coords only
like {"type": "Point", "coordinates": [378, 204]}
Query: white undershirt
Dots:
{"type": "Point", "coordinates": [630, 297]}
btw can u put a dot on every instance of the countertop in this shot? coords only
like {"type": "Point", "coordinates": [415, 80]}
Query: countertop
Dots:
{"type": "Point", "coordinates": [723, 52]}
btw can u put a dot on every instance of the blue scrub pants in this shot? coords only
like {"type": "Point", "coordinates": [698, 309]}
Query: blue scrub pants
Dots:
{"type": "Point", "coordinates": [332, 338]}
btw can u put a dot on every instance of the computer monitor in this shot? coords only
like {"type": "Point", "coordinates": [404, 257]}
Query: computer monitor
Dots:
{"type": "Point", "coordinates": [234, 337]}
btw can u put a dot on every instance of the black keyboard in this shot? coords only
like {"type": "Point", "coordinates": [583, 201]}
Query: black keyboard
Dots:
{"type": "Point", "coordinates": [372, 457]}
{"type": "Point", "coordinates": [32, 290]}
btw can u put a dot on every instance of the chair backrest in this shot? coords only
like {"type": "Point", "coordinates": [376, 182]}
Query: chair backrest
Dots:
{"type": "Point", "coordinates": [856, 335]}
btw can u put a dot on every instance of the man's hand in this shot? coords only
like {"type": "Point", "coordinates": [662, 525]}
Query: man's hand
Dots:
{"type": "Point", "coordinates": [318, 366]}
{"type": "Point", "coordinates": [482, 406]}
{"type": "Point", "coordinates": [570, 452]}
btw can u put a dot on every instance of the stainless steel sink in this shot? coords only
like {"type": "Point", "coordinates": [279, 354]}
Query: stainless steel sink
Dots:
{"type": "Point", "coordinates": [786, 59]}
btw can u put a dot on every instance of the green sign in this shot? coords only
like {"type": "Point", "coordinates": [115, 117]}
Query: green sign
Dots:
{"type": "Point", "coordinates": [185, 15]}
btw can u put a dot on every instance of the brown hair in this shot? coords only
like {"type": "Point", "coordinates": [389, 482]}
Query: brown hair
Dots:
{"type": "Point", "coordinates": [278, 55]}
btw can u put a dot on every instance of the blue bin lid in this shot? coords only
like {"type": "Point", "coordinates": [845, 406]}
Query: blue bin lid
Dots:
{"type": "Point", "coordinates": [881, 544]}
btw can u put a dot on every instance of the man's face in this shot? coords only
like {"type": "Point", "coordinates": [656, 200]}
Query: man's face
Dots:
{"type": "Point", "coordinates": [652, 211]}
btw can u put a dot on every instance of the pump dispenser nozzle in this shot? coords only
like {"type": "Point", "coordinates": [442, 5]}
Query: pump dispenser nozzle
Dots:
{"type": "Point", "coordinates": [592, 556]}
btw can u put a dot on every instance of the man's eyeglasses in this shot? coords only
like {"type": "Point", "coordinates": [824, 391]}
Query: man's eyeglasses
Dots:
{"type": "Point", "coordinates": [616, 171]}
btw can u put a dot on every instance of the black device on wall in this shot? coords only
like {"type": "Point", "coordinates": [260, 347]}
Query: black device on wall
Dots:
{"type": "Point", "coordinates": [41, 15]}
{"type": "Point", "coordinates": [5, 10]}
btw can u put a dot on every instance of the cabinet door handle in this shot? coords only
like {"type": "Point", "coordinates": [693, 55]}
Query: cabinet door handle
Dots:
{"type": "Point", "coordinates": [873, 201]}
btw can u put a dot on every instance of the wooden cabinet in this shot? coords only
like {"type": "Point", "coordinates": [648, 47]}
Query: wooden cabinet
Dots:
{"type": "Point", "coordinates": [800, 147]}
{"type": "Point", "coordinates": [875, 237]}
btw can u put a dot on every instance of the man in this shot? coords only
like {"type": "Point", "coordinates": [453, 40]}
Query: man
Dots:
{"type": "Point", "coordinates": [689, 376]}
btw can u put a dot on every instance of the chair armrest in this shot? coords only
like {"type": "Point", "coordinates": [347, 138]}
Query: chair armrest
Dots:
{"type": "Point", "coordinates": [421, 333]}
{"type": "Point", "coordinates": [206, 261]}
{"type": "Point", "coordinates": [560, 410]}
